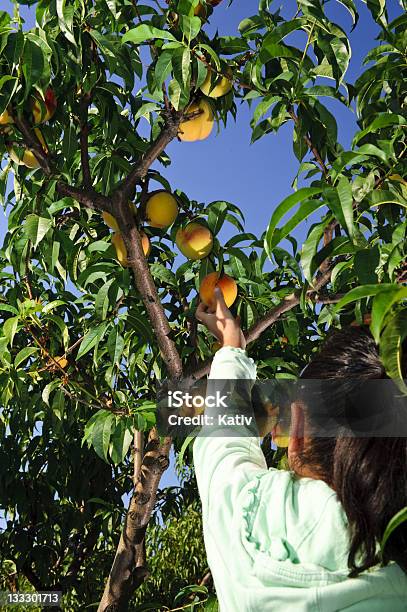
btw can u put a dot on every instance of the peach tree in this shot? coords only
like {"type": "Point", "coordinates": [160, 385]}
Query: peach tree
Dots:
{"type": "Point", "coordinates": [90, 319]}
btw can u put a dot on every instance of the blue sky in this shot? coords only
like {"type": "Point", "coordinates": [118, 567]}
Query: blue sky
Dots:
{"type": "Point", "coordinates": [226, 166]}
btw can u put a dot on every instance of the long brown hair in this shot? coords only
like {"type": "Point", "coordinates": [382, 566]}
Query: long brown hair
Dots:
{"type": "Point", "coordinates": [369, 474]}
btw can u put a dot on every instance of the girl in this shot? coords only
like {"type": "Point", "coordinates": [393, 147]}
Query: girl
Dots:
{"type": "Point", "coordinates": [304, 540]}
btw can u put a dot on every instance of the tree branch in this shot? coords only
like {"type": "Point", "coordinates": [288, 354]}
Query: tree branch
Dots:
{"type": "Point", "coordinates": [170, 130]}
{"type": "Point", "coordinates": [145, 284]}
{"type": "Point", "coordinates": [310, 145]}
{"type": "Point", "coordinates": [88, 197]}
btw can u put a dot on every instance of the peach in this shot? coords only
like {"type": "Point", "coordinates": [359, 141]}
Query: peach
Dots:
{"type": "Point", "coordinates": [43, 109]}
{"type": "Point", "coordinates": [110, 221]}
{"type": "Point", "coordinates": [219, 86]}
{"type": "Point", "coordinates": [28, 158]}
{"type": "Point", "coordinates": [121, 251]}
{"type": "Point", "coordinates": [161, 209]}
{"type": "Point", "coordinates": [6, 118]}
{"type": "Point", "coordinates": [225, 283]}
{"type": "Point", "coordinates": [200, 126]}
{"type": "Point", "coordinates": [195, 241]}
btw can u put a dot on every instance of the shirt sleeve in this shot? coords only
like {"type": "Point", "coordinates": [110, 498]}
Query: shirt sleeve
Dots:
{"type": "Point", "coordinates": [225, 464]}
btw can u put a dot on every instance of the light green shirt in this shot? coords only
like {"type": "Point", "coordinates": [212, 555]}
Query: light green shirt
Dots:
{"type": "Point", "coordinates": [275, 542]}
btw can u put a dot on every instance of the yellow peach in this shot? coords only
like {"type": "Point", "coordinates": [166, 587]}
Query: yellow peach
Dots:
{"type": "Point", "coordinates": [195, 241]}
{"type": "Point", "coordinates": [161, 209]}
{"type": "Point", "coordinates": [199, 127]}
{"type": "Point", "coordinates": [215, 87]}
{"type": "Point", "coordinates": [110, 221]}
{"type": "Point", "coordinates": [28, 158]}
{"type": "Point", "coordinates": [6, 118]}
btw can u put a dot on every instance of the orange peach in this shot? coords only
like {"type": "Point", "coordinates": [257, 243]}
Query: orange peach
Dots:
{"type": "Point", "coordinates": [195, 241]}
{"type": "Point", "coordinates": [225, 283]}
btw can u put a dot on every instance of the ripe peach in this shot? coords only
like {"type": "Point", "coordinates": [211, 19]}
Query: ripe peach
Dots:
{"type": "Point", "coordinates": [6, 118]}
{"type": "Point", "coordinates": [44, 109]}
{"type": "Point", "coordinates": [200, 126]}
{"type": "Point", "coordinates": [110, 221]}
{"type": "Point", "coordinates": [161, 209]}
{"type": "Point", "coordinates": [216, 88]}
{"type": "Point", "coordinates": [195, 241]}
{"type": "Point", "coordinates": [121, 251]}
{"type": "Point", "coordinates": [225, 283]}
{"type": "Point", "coordinates": [28, 158]}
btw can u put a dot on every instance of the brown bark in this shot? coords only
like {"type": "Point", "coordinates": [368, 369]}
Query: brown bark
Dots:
{"type": "Point", "coordinates": [129, 569]}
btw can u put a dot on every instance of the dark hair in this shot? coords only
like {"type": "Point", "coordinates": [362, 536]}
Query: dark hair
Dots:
{"type": "Point", "coordinates": [369, 474]}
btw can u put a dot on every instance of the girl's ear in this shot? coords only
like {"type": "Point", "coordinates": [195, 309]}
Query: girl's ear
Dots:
{"type": "Point", "coordinates": [296, 443]}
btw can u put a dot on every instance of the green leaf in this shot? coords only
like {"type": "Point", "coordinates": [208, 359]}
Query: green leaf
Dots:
{"type": "Point", "coordinates": [344, 191]}
{"type": "Point", "coordinates": [90, 340]}
{"type": "Point", "coordinates": [358, 293]}
{"type": "Point", "coordinates": [181, 62]}
{"type": "Point", "coordinates": [281, 31]}
{"type": "Point", "coordinates": [396, 521]}
{"type": "Point", "coordinates": [36, 228]}
{"type": "Point", "coordinates": [163, 68]}
{"type": "Point", "coordinates": [101, 433]}
{"type": "Point", "coordinates": [65, 18]}
{"type": "Point", "coordinates": [283, 208]}
{"type": "Point", "coordinates": [190, 26]}
{"type": "Point", "coordinates": [120, 441]}
{"type": "Point", "coordinates": [144, 32]}
{"type": "Point", "coordinates": [24, 354]}
{"type": "Point", "coordinates": [381, 121]}
{"type": "Point", "coordinates": [33, 64]}
{"type": "Point", "coordinates": [350, 5]}
{"type": "Point", "coordinates": [102, 300]}
{"type": "Point", "coordinates": [309, 249]}
{"type": "Point", "coordinates": [178, 95]}
{"type": "Point", "coordinates": [188, 440]}
{"type": "Point", "coordinates": [46, 393]}
{"type": "Point", "coordinates": [391, 347]}
{"type": "Point", "coordinates": [366, 262]}
{"type": "Point", "coordinates": [115, 345]}
{"type": "Point", "coordinates": [382, 304]}
{"type": "Point", "coordinates": [10, 329]}
{"type": "Point", "coordinates": [159, 271]}
{"type": "Point", "coordinates": [52, 305]}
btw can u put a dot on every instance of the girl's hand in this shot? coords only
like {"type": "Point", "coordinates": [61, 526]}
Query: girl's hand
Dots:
{"type": "Point", "coordinates": [221, 322]}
